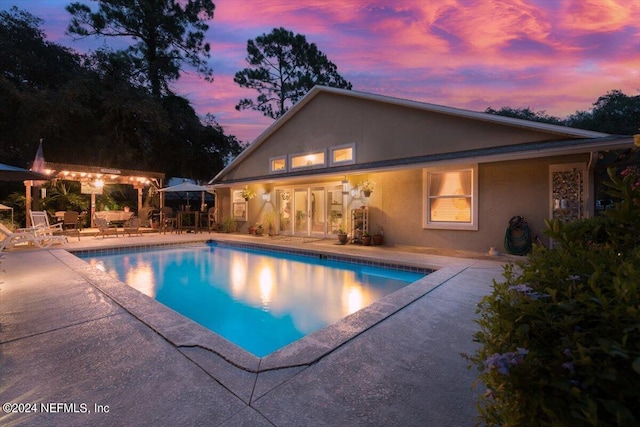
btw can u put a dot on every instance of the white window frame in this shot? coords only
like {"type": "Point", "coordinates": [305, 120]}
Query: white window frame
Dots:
{"type": "Point", "coordinates": [284, 159]}
{"type": "Point", "coordinates": [334, 148]}
{"type": "Point", "coordinates": [239, 206]}
{"type": "Point", "coordinates": [311, 153]}
{"type": "Point", "coordinates": [452, 225]}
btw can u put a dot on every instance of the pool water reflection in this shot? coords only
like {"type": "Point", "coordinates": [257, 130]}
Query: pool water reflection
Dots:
{"type": "Point", "coordinates": [259, 300]}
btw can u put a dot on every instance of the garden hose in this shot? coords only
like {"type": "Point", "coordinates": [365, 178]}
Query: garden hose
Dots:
{"type": "Point", "coordinates": [519, 244]}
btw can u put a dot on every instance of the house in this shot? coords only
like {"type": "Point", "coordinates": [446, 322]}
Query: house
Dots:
{"type": "Point", "coordinates": [442, 177]}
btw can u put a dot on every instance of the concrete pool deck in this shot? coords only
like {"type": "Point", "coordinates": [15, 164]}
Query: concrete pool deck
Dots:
{"type": "Point", "coordinates": [70, 335]}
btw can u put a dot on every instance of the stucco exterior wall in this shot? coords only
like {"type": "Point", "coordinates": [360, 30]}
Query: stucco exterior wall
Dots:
{"type": "Point", "coordinates": [380, 132]}
{"type": "Point", "coordinates": [505, 189]}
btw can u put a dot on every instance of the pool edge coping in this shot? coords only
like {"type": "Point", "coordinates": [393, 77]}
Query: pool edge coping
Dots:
{"type": "Point", "coordinates": [183, 332]}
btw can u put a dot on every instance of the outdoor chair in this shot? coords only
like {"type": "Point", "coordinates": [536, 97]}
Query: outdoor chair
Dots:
{"type": "Point", "coordinates": [33, 235]}
{"type": "Point", "coordinates": [104, 228]}
{"type": "Point", "coordinates": [11, 238]}
{"type": "Point", "coordinates": [71, 223]}
{"type": "Point", "coordinates": [145, 215]}
{"type": "Point", "coordinates": [132, 227]}
{"type": "Point", "coordinates": [57, 217]}
{"type": "Point", "coordinates": [167, 219]}
{"type": "Point", "coordinates": [41, 219]}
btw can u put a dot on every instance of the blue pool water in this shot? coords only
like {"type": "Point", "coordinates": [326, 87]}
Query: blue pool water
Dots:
{"type": "Point", "coordinates": [260, 300]}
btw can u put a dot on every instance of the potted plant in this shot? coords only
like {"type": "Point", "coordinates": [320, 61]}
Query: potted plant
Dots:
{"type": "Point", "coordinates": [270, 221]}
{"type": "Point", "coordinates": [378, 238]}
{"type": "Point", "coordinates": [247, 194]}
{"type": "Point", "coordinates": [367, 188]}
{"type": "Point", "coordinates": [366, 239]}
{"type": "Point", "coordinates": [342, 236]}
{"type": "Point", "coordinates": [259, 230]}
{"type": "Point", "coordinates": [252, 229]}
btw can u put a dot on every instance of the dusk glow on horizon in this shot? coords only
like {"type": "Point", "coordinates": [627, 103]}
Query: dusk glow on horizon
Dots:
{"type": "Point", "coordinates": [553, 55]}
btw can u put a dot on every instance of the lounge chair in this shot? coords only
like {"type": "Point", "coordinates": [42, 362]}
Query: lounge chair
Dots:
{"type": "Point", "coordinates": [12, 238]}
{"type": "Point", "coordinates": [104, 228]}
{"type": "Point", "coordinates": [132, 227]}
{"type": "Point", "coordinates": [40, 224]}
{"type": "Point", "coordinates": [40, 219]}
{"type": "Point", "coordinates": [32, 236]}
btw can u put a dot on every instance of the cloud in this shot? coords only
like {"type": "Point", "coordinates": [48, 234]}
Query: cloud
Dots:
{"type": "Point", "coordinates": [596, 16]}
{"type": "Point", "coordinates": [491, 24]}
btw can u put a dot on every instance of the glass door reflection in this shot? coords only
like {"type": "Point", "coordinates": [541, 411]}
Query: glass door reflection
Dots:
{"type": "Point", "coordinates": [301, 209]}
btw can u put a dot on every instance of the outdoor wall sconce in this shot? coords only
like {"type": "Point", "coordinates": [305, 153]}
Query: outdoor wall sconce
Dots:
{"type": "Point", "coordinates": [355, 192]}
{"type": "Point", "coordinates": [345, 187]}
{"type": "Point", "coordinates": [266, 197]}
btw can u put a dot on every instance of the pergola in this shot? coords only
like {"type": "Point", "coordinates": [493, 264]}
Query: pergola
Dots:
{"type": "Point", "coordinates": [93, 178]}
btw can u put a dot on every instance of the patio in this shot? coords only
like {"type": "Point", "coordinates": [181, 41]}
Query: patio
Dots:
{"type": "Point", "coordinates": [70, 335]}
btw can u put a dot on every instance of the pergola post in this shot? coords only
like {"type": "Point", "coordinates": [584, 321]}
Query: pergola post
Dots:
{"type": "Point", "coordinates": [27, 191]}
{"type": "Point", "coordinates": [140, 189]}
{"type": "Point", "coordinates": [92, 209]}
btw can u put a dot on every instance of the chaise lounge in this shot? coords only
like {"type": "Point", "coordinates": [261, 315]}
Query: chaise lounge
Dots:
{"type": "Point", "coordinates": [31, 236]}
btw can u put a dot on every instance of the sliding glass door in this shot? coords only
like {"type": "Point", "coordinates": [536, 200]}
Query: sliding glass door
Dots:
{"type": "Point", "coordinates": [302, 212]}
{"type": "Point", "coordinates": [310, 211]}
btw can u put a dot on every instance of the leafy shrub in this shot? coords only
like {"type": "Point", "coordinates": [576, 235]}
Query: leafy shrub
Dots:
{"type": "Point", "coordinates": [229, 225]}
{"type": "Point", "coordinates": [560, 336]}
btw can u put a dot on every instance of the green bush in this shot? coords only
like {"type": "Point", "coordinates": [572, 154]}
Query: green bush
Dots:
{"type": "Point", "coordinates": [560, 336]}
{"type": "Point", "coordinates": [229, 225]}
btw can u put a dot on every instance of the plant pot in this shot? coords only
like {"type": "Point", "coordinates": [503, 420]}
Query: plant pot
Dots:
{"type": "Point", "coordinates": [342, 238]}
{"type": "Point", "coordinates": [366, 240]}
{"type": "Point", "coordinates": [378, 239]}
{"type": "Point", "coordinates": [366, 193]}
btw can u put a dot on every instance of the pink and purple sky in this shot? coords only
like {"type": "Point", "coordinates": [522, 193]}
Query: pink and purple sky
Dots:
{"type": "Point", "coordinates": [553, 55]}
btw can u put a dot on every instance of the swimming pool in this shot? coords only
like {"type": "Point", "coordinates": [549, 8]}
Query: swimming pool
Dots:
{"type": "Point", "coordinates": [260, 300]}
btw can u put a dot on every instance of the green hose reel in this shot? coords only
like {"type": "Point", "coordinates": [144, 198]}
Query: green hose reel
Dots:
{"type": "Point", "coordinates": [517, 237]}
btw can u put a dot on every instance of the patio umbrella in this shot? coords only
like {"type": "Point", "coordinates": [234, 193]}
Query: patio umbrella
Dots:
{"type": "Point", "coordinates": [186, 187]}
{"type": "Point", "coordinates": [14, 173]}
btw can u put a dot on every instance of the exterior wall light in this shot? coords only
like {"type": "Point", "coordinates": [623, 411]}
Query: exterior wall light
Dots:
{"type": "Point", "coordinates": [345, 187]}
{"type": "Point", "coordinates": [266, 197]}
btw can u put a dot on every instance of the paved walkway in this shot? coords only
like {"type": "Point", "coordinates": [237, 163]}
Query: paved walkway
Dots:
{"type": "Point", "coordinates": [88, 350]}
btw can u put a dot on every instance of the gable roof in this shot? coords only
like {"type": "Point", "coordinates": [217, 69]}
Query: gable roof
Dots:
{"type": "Point", "coordinates": [564, 133]}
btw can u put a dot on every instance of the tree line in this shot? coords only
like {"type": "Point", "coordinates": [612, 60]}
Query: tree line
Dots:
{"type": "Point", "coordinates": [109, 108]}
{"type": "Point", "coordinates": [614, 113]}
